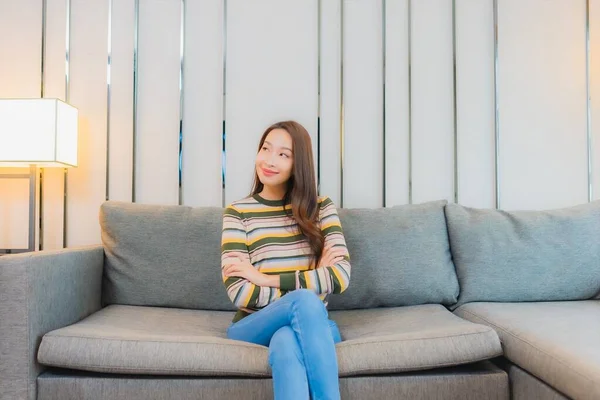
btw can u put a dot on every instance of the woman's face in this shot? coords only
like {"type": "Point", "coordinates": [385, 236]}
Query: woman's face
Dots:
{"type": "Point", "coordinates": [275, 159]}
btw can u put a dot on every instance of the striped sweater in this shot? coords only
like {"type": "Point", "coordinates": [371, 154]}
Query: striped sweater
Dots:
{"type": "Point", "coordinates": [264, 231]}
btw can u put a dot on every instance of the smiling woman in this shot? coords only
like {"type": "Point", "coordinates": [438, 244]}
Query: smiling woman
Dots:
{"type": "Point", "coordinates": [283, 253]}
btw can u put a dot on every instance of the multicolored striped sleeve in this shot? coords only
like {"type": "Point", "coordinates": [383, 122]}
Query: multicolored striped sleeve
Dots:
{"type": "Point", "coordinates": [243, 293]}
{"type": "Point", "coordinates": [331, 279]}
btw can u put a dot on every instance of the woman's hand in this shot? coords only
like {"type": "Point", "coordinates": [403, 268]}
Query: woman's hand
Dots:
{"type": "Point", "coordinates": [331, 255]}
{"type": "Point", "coordinates": [238, 265]}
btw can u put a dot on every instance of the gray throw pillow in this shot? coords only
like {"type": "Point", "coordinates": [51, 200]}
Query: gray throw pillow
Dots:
{"type": "Point", "coordinates": [519, 256]}
{"type": "Point", "coordinates": [163, 256]}
{"type": "Point", "coordinates": [400, 256]}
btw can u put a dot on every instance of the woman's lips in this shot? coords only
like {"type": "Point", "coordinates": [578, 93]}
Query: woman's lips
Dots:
{"type": "Point", "coordinates": [268, 172]}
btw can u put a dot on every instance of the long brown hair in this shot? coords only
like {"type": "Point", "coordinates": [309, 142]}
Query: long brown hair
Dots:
{"type": "Point", "coordinates": [301, 190]}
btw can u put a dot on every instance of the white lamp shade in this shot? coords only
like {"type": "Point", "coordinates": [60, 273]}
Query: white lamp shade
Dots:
{"type": "Point", "coordinates": [38, 132]}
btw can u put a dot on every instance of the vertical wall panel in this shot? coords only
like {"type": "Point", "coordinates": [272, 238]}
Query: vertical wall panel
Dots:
{"type": "Point", "coordinates": [475, 103]}
{"type": "Point", "coordinates": [87, 183]}
{"type": "Point", "coordinates": [542, 102]}
{"type": "Point", "coordinates": [363, 104]}
{"type": "Point", "coordinates": [432, 101]}
{"type": "Point", "coordinates": [20, 48]}
{"type": "Point", "coordinates": [120, 145]}
{"type": "Point", "coordinates": [55, 41]}
{"type": "Point", "coordinates": [595, 93]}
{"type": "Point", "coordinates": [54, 87]}
{"type": "Point", "coordinates": [271, 75]}
{"type": "Point", "coordinates": [397, 103]}
{"type": "Point", "coordinates": [157, 136]}
{"type": "Point", "coordinates": [20, 77]}
{"type": "Point", "coordinates": [330, 57]}
{"type": "Point", "coordinates": [14, 211]}
{"type": "Point", "coordinates": [203, 104]}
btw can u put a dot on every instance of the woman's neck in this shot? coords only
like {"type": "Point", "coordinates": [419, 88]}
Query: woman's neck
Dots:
{"type": "Point", "coordinates": [271, 193]}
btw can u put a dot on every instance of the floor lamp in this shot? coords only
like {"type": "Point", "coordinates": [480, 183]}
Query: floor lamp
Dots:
{"type": "Point", "coordinates": [36, 133]}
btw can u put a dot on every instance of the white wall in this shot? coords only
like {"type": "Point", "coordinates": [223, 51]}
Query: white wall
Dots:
{"type": "Point", "coordinates": [401, 95]}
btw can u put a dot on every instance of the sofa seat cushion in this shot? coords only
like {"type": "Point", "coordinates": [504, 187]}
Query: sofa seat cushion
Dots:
{"type": "Point", "coordinates": [153, 340]}
{"type": "Point", "coordinates": [162, 341]}
{"type": "Point", "coordinates": [389, 340]}
{"type": "Point", "coordinates": [558, 342]}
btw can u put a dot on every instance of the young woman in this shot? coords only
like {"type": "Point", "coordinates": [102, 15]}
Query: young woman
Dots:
{"type": "Point", "coordinates": [283, 252]}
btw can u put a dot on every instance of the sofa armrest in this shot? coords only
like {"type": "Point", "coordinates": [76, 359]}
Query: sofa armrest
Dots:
{"type": "Point", "coordinates": [40, 292]}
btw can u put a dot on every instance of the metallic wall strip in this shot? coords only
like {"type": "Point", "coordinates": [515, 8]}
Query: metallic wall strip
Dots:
{"type": "Point", "coordinates": [32, 204]}
{"type": "Point", "coordinates": [224, 111]}
{"type": "Point", "coordinates": [108, 98]}
{"type": "Point", "coordinates": [67, 99]}
{"type": "Point", "coordinates": [181, 94]}
{"type": "Point", "coordinates": [342, 128]}
{"type": "Point", "coordinates": [68, 53]}
{"type": "Point", "coordinates": [65, 198]}
{"type": "Point", "coordinates": [135, 93]}
{"type": "Point", "coordinates": [318, 96]}
{"type": "Point", "coordinates": [455, 106]}
{"type": "Point", "coordinates": [41, 205]}
{"type": "Point", "coordinates": [409, 23]}
{"type": "Point", "coordinates": [588, 102]}
{"type": "Point", "coordinates": [496, 107]}
{"type": "Point", "coordinates": [42, 85]}
{"type": "Point", "coordinates": [383, 81]}
{"type": "Point", "coordinates": [42, 90]}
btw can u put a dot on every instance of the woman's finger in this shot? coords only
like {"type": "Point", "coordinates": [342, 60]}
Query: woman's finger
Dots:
{"type": "Point", "coordinates": [231, 269]}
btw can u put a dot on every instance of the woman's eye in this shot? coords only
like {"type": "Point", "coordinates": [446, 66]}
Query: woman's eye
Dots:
{"type": "Point", "coordinates": [285, 155]}
{"type": "Point", "coordinates": [264, 149]}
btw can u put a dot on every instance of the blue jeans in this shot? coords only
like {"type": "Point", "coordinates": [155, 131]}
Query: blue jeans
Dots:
{"type": "Point", "coordinates": [301, 342]}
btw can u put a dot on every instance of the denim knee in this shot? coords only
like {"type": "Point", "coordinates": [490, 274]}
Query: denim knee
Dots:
{"type": "Point", "coordinates": [307, 301]}
{"type": "Point", "coordinates": [283, 346]}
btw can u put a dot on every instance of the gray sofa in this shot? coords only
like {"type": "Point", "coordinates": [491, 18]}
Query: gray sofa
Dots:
{"type": "Point", "coordinates": [445, 302]}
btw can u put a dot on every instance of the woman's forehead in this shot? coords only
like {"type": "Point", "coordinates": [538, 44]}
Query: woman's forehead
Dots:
{"type": "Point", "coordinates": [279, 138]}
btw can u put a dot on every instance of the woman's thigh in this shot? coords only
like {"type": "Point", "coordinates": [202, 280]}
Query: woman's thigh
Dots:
{"type": "Point", "coordinates": [259, 327]}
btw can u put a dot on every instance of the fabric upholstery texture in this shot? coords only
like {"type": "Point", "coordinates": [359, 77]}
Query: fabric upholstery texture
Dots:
{"type": "Point", "coordinates": [166, 256]}
{"type": "Point", "coordinates": [481, 381]}
{"type": "Point", "coordinates": [40, 292]}
{"type": "Point", "coordinates": [149, 340]}
{"type": "Point", "coordinates": [169, 256]}
{"type": "Point", "coordinates": [522, 256]}
{"type": "Point", "coordinates": [524, 386]}
{"type": "Point", "coordinates": [558, 342]}
{"type": "Point", "coordinates": [400, 256]}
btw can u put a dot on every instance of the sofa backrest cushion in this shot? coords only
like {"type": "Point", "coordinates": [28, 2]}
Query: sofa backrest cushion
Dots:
{"type": "Point", "coordinates": [163, 256]}
{"type": "Point", "coordinates": [523, 256]}
{"type": "Point", "coordinates": [170, 256]}
{"type": "Point", "coordinates": [400, 256]}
